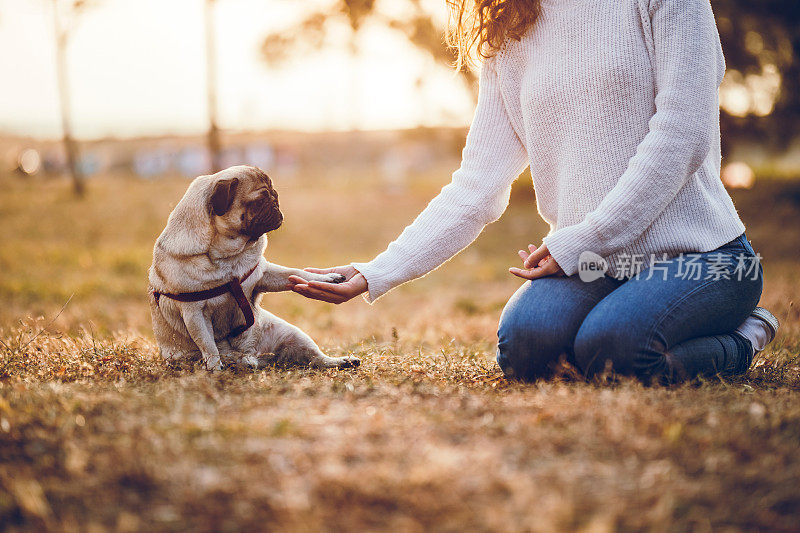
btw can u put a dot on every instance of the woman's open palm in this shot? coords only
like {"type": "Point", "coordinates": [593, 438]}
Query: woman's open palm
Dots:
{"type": "Point", "coordinates": [353, 285]}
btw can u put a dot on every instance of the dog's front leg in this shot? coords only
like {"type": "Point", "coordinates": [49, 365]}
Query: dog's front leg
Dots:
{"type": "Point", "coordinates": [230, 355]}
{"type": "Point", "coordinates": [199, 328]}
{"type": "Point", "coordinates": [276, 278]}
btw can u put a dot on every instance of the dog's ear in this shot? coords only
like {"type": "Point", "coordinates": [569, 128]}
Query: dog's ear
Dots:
{"type": "Point", "coordinates": [223, 195]}
{"type": "Point", "coordinates": [188, 230]}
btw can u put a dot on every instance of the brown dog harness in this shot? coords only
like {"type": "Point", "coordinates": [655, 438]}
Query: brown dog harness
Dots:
{"type": "Point", "coordinates": [234, 287]}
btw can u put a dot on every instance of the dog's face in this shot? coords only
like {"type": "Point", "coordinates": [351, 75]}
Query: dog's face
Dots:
{"type": "Point", "coordinates": [244, 202]}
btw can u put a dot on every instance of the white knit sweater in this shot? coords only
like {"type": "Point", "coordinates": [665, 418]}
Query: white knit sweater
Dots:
{"type": "Point", "coordinates": [614, 105]}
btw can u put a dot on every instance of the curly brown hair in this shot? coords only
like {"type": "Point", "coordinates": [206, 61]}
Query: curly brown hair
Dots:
{"type": "Point", "coordinates": [478, 28]}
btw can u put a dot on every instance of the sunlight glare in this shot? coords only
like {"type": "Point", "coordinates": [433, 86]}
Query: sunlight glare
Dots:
{"type": "Point", "coordinates": [738, 175]}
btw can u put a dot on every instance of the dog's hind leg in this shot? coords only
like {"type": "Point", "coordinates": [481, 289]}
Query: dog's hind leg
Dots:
{"type": "Point", "coordinates": [288, 345]}
{"type": "Point", "coordinates": [300, 349]}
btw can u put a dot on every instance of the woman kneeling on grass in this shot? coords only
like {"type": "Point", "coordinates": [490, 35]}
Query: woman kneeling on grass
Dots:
{"type": "Point", "coordinates": [614, 105]}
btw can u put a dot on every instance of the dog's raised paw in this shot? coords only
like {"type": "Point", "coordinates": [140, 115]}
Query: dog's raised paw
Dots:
{"type": "Point", "coordinates": [335, 278]}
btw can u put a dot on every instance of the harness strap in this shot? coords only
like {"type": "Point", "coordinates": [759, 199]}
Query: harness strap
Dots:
{"type": "Point", "coordinates": [234, 287]}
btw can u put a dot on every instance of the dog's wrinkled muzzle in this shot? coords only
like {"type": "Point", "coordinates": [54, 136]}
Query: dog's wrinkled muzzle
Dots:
{"type": "Point", "coordinates": [276, 223]}
{"type": "Point", "coordinates": [259, 222]}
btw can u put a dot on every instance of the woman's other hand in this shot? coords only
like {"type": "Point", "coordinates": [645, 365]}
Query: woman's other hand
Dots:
{"type": "Point", "coordinates": [354, 284]}
{"type": "Point", "coordinates": [537, 264]}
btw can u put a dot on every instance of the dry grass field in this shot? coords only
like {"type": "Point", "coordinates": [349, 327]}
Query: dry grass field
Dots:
{"type": "Point", "coordinates": [96, 433]}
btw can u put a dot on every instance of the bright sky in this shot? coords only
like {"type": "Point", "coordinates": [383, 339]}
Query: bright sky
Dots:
{"type": "Point", "coordinates": [137, 67]}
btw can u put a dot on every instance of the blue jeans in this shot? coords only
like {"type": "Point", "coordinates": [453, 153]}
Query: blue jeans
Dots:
{"type": "Point", "coordinates": [662, 325]}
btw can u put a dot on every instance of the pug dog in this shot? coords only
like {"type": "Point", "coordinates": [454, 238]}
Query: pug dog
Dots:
{"type": "Point", "coordinates": [209, 273]}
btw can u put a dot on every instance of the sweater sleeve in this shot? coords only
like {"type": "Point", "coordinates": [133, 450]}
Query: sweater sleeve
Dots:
{"type": "Point", "coordinates": [478, 194]}
{"type": "Point", "coordinates": [689, 66]}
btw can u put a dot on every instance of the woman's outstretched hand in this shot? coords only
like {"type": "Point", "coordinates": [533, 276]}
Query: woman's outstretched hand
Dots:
{"type": "Point", "coordinates": [537, 264]}
{"type": "Point", "coordinates": [354, 284]}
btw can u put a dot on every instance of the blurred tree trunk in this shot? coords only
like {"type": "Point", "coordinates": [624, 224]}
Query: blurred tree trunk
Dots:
{"type": "Point", "coordinates": [211, 85]}
{"type": "Point", "coordinates": [355, 121]}
{"type": "Point", "coordinates": [70, 146]}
